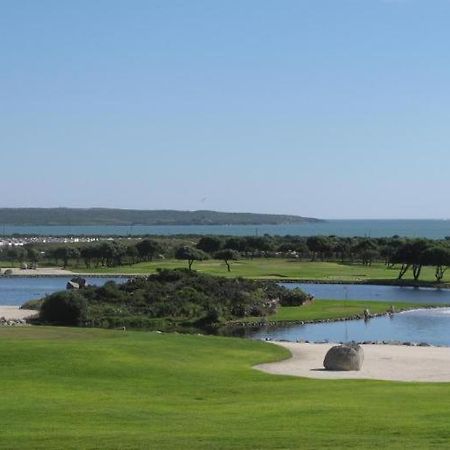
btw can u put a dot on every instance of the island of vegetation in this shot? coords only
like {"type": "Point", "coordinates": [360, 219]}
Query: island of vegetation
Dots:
{"type": "Point", "coordinates": [168, 300]}
{"type": "Point", "coordinates": [128, 217]}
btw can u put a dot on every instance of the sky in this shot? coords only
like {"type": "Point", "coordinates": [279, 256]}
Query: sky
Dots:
{"type": "Point", "coordinates": [329, 109]}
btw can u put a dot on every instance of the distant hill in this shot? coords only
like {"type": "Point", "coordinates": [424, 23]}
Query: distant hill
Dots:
{"type": "Point", "coordinates": [105, 216]}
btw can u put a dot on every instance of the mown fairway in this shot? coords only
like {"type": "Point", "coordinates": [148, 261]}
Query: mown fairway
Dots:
{"type": "Point", "coordinates": [277, 269]}
{"type": "Point", "coordinates": [84, 388]}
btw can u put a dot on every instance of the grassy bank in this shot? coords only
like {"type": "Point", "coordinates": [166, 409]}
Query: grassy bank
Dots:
{"type": "Point", "coordinates": [77, 388]}
{"type": "Point", "coordinates": [277, 269]}
{"type": "Point", "coordinates": [332, 309]}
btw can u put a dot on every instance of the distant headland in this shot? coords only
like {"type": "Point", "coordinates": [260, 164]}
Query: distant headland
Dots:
{"type": "Point", "coordinates": [109, 216]}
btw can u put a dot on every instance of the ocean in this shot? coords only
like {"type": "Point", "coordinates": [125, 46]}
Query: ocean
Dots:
{"type": "Point", "coordinates": [433, 229]}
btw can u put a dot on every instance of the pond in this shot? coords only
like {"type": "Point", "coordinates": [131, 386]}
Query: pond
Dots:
{"type": "Point", "coordinates": [17, 290]}
{"type": "Point", "coordinates": [374, 292]}
{"type": "Point", "coordinates": [431, 326]}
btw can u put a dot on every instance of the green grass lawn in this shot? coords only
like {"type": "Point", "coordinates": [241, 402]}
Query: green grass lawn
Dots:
{"type": "Point", "coordinates": [63, 388]}
{"type": "Point", "coordinates": [333, 309]}
{"type": "Point", "coordinates": [276, 268]}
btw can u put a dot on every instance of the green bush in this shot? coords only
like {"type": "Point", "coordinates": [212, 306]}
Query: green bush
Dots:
{"type": "Point", "coordinates": [294, 297]}
{"type": "Point", "coordinates": [64, 308]}
{"type": "Point", "coordinates": [181, 298]}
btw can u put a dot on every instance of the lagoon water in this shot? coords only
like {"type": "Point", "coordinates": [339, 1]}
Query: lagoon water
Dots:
{"type": "Point", "coordinates": [376, 293]}
{"type": "Point", "coordinates": [17, 290]}
{"type": "Point", "coordinates": [431, 326]}
{"type": "Point", "coordinates": [423, 325]}
{"type": "Point", "coordinates": [433, 229]}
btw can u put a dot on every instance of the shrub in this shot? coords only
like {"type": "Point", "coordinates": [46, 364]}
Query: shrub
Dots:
{"type": "Point", "coordinates": [294, 297]}
{"type": "Point", "coordinates": [64, 308]}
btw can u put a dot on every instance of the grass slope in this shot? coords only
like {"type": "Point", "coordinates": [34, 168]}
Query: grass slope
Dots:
{"type": "Point", "coordinates": [277, 269]}
{"type": "Point", "coordinates": [85, 388]}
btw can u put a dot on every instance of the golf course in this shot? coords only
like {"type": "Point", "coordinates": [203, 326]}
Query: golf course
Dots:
{"type": "Point", "coordinates": [88, 388]}
{"type": "Point", "coordinates": [274, 269]}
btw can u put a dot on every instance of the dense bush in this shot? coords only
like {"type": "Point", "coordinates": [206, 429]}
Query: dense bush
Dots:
{"type": "Point", "coordinates": [294, 297]}
{"type": "Point", "coordinates": [183, 297]}
{"type": "Point", "coordinates": [64, 308]}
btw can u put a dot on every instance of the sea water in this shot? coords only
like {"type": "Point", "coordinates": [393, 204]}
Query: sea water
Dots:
{"type": "Point", "coordinates": [433, 229]}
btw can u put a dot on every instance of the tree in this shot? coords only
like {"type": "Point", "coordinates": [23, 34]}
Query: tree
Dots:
{"type": "Point", "coordinates": [258, 243]}
{"type": "Point", "coordinates": [147, 249]}
{"type": "Point", "coordinates": [65, 253]}
{"type": "Point", "coordinates": [343, 248]}
{"type": "Point", "coordinates": [438, 257]}
{"type": "Point", "coordinates": [410, 254]}
{"type": "Point", "coordinates": [88, 253]}
{"type": "Point", "coordinates": [190, 255]}
{"type": "Point", "coordinates": [16, 254]}
{"type": "Point", "coordinates": [209, 244]}
{"type": "Point", "coordinates": [132, 253]}
{"type": "Point", "coordinates": [366, 249]}
{"type": "Point", "coordinates": [318, 245]}
{"type": "Point", "coordinates": [33, 253]}
{"type": "Point", "coordinates": [235, 243]}
{"type": "Point", "coordinates": [110, 253]}
{"type": "Point", "coordinates": [227, 255]}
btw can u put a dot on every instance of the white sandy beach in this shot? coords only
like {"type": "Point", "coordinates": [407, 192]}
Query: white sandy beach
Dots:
{"type": "Point", "coordinates": [381, 362]}
{"type": "Point", "coordinates": [14, 313]}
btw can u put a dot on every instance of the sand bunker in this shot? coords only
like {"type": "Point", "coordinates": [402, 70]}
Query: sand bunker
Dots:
{"type": "Point", "coordinates": [381, 362]}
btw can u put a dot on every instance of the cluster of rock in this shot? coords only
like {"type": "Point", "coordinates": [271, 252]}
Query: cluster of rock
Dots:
{"type": "Point", "coordinates": [76, 283]}
{"type": "Point", "coordinates": [406, 343]}
{"type": "Point", "coordinates": [279, 323]}
{"type": "Point", "coordinates": [12, 322]}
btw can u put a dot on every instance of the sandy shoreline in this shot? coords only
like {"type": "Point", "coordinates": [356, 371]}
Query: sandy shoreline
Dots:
{"type": "Point", "coordinates": [14, 313]}
{"type": "Point", "coordinates": [381, 362]}
{"type": "Point", "coordinates": [40, 272]}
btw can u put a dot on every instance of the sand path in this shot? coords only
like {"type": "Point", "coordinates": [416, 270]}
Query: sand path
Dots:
{"type": "Point", "coordinates": [14, 313]}
{"type": "Point", "coordinates": [381, 362]}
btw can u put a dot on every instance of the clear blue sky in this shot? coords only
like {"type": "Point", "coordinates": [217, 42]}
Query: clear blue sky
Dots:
{"type": "Point", "coordinates": [332, 109]}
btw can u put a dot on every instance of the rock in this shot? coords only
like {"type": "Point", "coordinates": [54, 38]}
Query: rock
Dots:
{"type": "Point", "coordinates": [344, 357]}
{"type": "Point", "coordinates": [76, 283]}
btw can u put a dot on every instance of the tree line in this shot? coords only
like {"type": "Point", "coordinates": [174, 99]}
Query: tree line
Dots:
{"type": "Point", "coordinates": [409, 254]}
